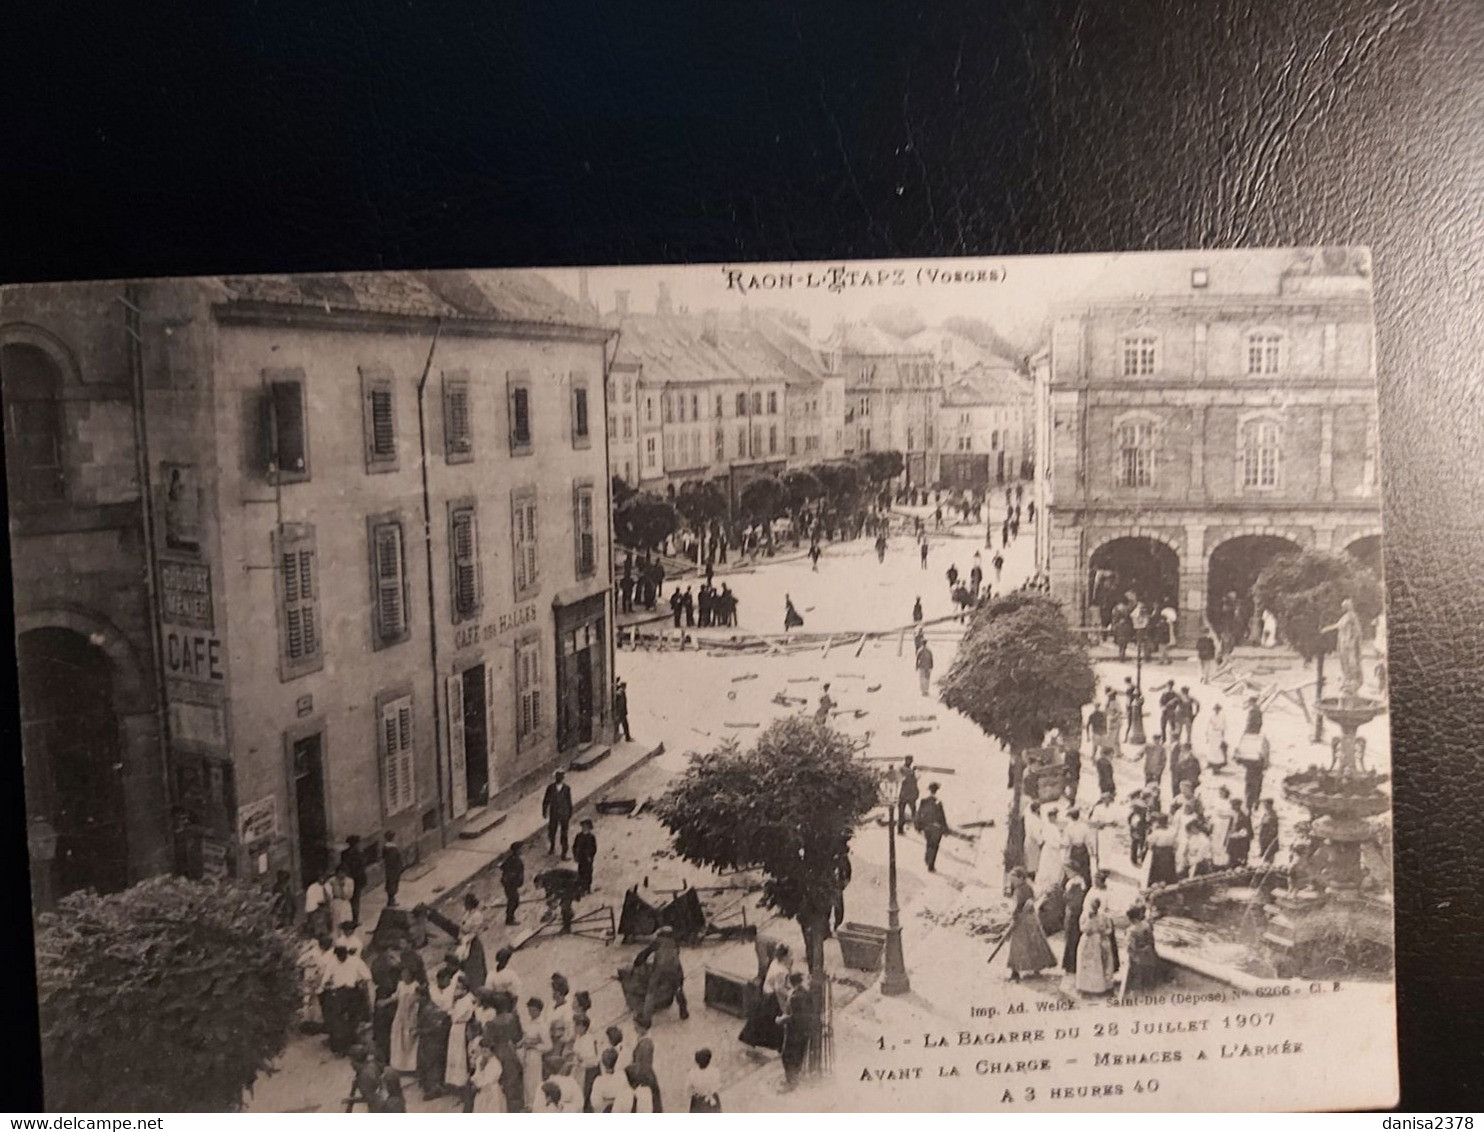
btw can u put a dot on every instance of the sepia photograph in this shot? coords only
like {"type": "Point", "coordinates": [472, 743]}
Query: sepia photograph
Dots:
{"type": "Point", "coordinates": [909, 685]}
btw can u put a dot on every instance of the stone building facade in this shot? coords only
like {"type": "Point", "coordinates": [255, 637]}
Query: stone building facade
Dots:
{"type": "Point", "coordinates": [376, 554]}
{"type": "Point", "coordinates": [1196, 415]}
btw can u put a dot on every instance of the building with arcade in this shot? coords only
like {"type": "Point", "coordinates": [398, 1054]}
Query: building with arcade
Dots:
{"type": "Point", "coordinates": [1194, 417]}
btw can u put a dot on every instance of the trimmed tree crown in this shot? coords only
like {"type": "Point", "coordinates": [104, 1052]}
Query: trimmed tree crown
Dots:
{"type": "Point", "coordinates": [1020, 670]}
{"type": "Point", "coordinates": [787, 806]}
{"type": "Point", "coordinates": [1304, 590]}
{"type": "Point", "coordinates": [171, 996]}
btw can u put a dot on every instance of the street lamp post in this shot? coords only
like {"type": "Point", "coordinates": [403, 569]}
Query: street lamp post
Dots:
{"type": "Point", "coordinates": [1136, 734]}
{"type": "Point", "coordinates": [894, 978]}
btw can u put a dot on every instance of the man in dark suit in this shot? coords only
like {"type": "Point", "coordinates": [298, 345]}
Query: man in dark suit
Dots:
{"type": "Point", "coordinates": [585, 852]}
{"type": "Point", "coordinates": [392, 867]}
{"type": "Point", "coordinates": [354, 861]}
{"type": "Point", "coordinates": [933, 823]}
{"type": "Point", "coordinates": [512, 877]}
{"type": "Point", "coordinates": [556, 808]}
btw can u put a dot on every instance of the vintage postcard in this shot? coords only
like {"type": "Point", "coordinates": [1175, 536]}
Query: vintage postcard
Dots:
{"type": "Point", "coordinates": [950, 685]}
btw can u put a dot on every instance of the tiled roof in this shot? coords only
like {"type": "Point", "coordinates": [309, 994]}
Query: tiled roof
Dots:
{"type": "Point", "coordinates": [499, 296]}
{"type": "Point", "coordinates": [868, 340]}
{"type": "Point", "coordinates": [673, 349]}
{"type": "Point", "coordinates": [987, 386]}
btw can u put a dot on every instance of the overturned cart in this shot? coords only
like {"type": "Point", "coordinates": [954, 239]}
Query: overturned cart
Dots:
{"type": "Point", "coordinates": [684, 919]}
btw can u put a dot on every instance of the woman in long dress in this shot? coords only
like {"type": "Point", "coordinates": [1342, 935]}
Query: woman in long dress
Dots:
{"type": "Point", "coordinates": [1030, 954]}
{"type": "Point", "coordinates": [1216, 748]}
{"type": "Point", "coordinates": [1239, 837]}
{"type": "Point", "coordinates": [1032, 838]}
{"type": "Point", "coordinates": [799, 1024]}
{"type": "Point", "coordinates": [762, 1030]}
{"type": "Point", "coordinates": [1163, 867]}
{"type": "Point", "coordinates": [1094, 956]}
{"type": "Point", "coordinates": [488, 1094]}
{"type": "Point", "coordinates": [432, 1035]}
{"type": "Point", "coordinates": [1145, 969]}
{"type": "Point", "coordinates": [456, 1072]}
{"type": "Point", "coordinates": [1072, 922]}
{"type": "Point", "coordinates": [404, 1024]}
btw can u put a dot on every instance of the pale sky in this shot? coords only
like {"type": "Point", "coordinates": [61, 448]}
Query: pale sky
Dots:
{"type": "Point", "coordinates": [1013, 298]}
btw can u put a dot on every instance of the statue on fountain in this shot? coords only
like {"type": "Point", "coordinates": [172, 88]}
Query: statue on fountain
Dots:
{"type": "Point", "coordinates": [1348, 630]}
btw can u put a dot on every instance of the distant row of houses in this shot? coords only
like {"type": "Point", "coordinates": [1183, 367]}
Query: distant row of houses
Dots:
{"type": "Point", "coordinates": [734, 397]}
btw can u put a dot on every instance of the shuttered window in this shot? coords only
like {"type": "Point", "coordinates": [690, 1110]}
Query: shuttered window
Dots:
{"type": "Point", "coordinates": [529, 707]}
{"type": "Point", "coordinates": [463, 550]}
{"type": "Point", "coordinates": [388, 581]}
{"type": "Point", "coordinates": [518, 385]}
{"type": "Point", "coordinates": [458, 420]}
{"type": "Point", "coordinates": [379, 418]}
{"type": "Point", "coordinates": [523, 537]}
{"type": "Point", "coordinates": [394, 742]}
{"type": "Point", "coordinates": [298, 590]}
{"type": "Point", "coordinates": [582, 526]}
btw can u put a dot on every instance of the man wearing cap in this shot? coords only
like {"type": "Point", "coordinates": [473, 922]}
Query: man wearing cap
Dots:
{"type": "Point", "coordinates": [933, 823]}
{"type": "Point", "coordinates": [556, 808]}
{"type": "Point", "coordinates": [621, 711]}
{"type": "Point", "coordinates": [584, 852]}
{"type": "Point", "coordinates": [907, 800]}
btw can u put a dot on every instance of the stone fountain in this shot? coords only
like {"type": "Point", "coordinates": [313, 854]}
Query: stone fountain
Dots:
{"type": "Point", "coordinates": [1336, 911]}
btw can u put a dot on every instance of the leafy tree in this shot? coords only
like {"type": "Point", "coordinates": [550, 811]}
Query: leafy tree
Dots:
{"type": "Point", "coordinates": [842, 483]}
{"type": "Point", "coordinates": [171, 996]}
{"type": "Point", "coordinates": [787, 807]}
{"type": "Point", "coordinates": [883, 466]}
{"type": "Point", "coordinates": [621, 491]}
{"type": "Point", "coordinates": [645, 520]}
{"type": "Point", "coordinates": [803, 488]}
{"type": "Point", "coordinates": [901, 320]}
{"type": "Point", "coordinates": [1020, 670]}
{"type": "Point", "coordinates": [699, 502]}
{"type": "Point", "coordinates": [764, 498]}
{"type": "Point", "coordinates": [1303, 591]}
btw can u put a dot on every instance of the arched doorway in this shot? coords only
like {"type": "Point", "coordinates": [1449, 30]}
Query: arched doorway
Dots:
{"type": "Point", "coordinates": [1143, 566]}
{"type": "Point", "coordinates": [1367, 551]}
{"type": "Point", "coordinates": [74, 760]}
{"type": "Point", "coordinates": [1234, 566]}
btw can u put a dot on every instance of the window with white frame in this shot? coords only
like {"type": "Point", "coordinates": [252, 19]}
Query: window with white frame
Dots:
{"type": "Point", "coordinates": [1261, 453]}
{"type": "Point", "coordinates": [649, 453]}
{"type": "Point", "coordinates": [394, 749]}
{"type": "Point", "coordinates": [1140, 355]}
{"type": "Point", "coordinates": [585, 541]}
{"type": "Point", "coordinates": [1136, 439]}
{"type": "Point", "coordinates": [1264, 352]}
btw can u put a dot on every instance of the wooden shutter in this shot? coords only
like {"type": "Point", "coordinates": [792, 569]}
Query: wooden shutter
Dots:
{"type": "Point", "coordinates": [297, 573]}
{"type": "Point", "coordinates": [518, 385]}
{"type": "Point", "coordinates": [465, 551]}
{"type": "Point", "coordinates": [399, 783]}
{"type": "Point", "coordinates": [458, 423]}
{"type": "Point", "coordinates": [391, 592]}
{"type": "Point", "coordinates": [383, 431]}
{"type": "Point", "coordinates": [458, 775]}
{"type": "Point", "coordinates": [491, 716]}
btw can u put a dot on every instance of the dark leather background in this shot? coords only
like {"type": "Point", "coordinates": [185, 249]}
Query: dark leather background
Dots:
{"type": "Point", "coordinates": [177, 139]}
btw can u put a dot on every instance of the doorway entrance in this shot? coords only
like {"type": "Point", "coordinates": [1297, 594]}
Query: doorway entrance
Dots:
{"type": "Point", "coordinates": [1234, 567]}
{"type": "Point", "coordinates": [73, 758]}
{"type": "Point", "coordinates": [476, 736]}
{"type": "Point", "coordinates": [1144, 567]}
{"type": "Point", "coordinates": [313, 821]}
{"type": "Point", "coordinates": [581, 678]}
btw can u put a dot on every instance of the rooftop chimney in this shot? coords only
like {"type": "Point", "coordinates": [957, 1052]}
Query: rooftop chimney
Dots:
{"type": "Point", "coordinates": [621, 303]}
{"type": "Point", "coordinates": [708, 327]}
{"type": "Point", "coordinates": [583, 295]}
{"type": "Point", "coordinates": [662, 300]}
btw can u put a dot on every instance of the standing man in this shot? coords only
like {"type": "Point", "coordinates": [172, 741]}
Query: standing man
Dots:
{"type": "Point", "coordinates": [908, 797]}
{"type": "Point", "coordinates": [512, 877]}
{"type": "Point", "coordinates": [353, 860]}
{"type": "Point", "coordinates": [556, 808]}
{"type": "Point", "coordinates": [922, 551]}
{"type": "Point", "coordinates": [933, 823]}
{"type": "Point", "coordinates": [924, 668]}
{"type": "Point", "coordinates": [626, 591]}
{"type": "Point", "coordinates": [585, 852]}
{"type": "Point", "coordinates": [392, 867]}
{"type": "Point", "coordinates": [621, 710]}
